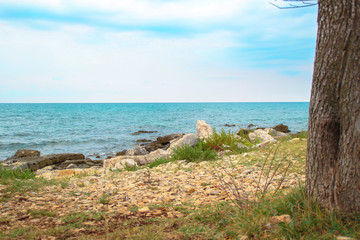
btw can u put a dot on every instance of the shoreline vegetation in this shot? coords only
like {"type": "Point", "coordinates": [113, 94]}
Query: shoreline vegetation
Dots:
{"type": "Point", "coordinates": [246, 184]}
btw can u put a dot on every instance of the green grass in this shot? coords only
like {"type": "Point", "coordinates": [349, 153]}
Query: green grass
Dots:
{"type": "Point", "coordinates": [8, 174]}
{"type": "Point", "coordinates": [41, 213]}
{"type": "Point", "coordinates": [302, 135]}
{"type": "Point", "coordinates": [206, 150]}
{"type": "Point", "coordinates": [76, 219]}
{"type": "Point", "coordinates": [104, 199]}
{"type": "Point", "coordinates": [17, 181]}
{"type": "Point", "coordinates": [227, 140]}
{"type": "Point", "coordinates": [194, 154]}
{"type": "Point", "coordinates": [158, 162]}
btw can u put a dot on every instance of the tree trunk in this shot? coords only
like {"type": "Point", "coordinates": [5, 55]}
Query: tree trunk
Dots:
{"type": "Point", "coordinates": [333, 158]}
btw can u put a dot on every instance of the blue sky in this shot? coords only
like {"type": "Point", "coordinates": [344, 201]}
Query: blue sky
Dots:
{"type": "Point", "coordinates": [155, 51]}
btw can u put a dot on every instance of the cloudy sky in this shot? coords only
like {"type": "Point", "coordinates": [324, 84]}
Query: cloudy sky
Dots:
{"type": "Point", "coordinates": [155, 51]}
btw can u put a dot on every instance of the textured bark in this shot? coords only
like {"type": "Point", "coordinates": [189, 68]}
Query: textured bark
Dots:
{"type": "Point", "coordinates": [333, 159]}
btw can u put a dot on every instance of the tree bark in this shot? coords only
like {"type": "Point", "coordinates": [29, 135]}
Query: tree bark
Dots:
{"type": "Point", "coordinates": [333, 158]}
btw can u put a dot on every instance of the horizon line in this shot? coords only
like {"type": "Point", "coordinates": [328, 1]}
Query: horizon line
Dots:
{"type": "Point", "coordinates": [143, 102]}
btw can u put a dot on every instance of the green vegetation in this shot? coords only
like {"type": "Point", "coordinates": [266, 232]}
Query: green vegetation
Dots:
{"type": "Point", "coordinates": [158, 162]}
{"type": "Point", "coordinates": [302, 135]}
{"type": "Point", "coordinates": [206, 150]}
{"type": "Point", "coordinates": [41, 213]}
{"type": "Point", "coordinates": [198, 153]}
{"type": "Point", "coordinates": [9, 175]}
{"type": "Point", "coordinates": [104, 199]}
{"type": "Point", "coordinates": [17, 181]}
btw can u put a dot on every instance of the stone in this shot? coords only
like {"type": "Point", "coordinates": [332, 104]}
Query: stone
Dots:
{"type": "Point", "coordinates": [295, 140]}
{"type": "Point", "coordinates": [126, 162]}
{"type": "Point", "coordinates": [344, 238]}
{"type": "Point", "coordinates": [35, 163]}
{"type": "Point", "coordinates": [264, 144]}
{"type": "Point", "coordinates": [189, 139]}
{"type": "Point", "coordinates": [229, 125]}
{"type": "Point", "coordinates": [281, 128]}
{"type": "Point", "coordinates": [142, 131]}
{"type": "Point", "coordinates": [143, 140]}
{"type": "Point", "coordinates": [122, 153]}
{"type": "Point", "coordinates": [168, 138]}
{"type": "Point", "coordinates": [162, 142]}
{"type": "Point", "coordinates": [250, 125]}
{"type": "Point", "coordinates": [246, 172]}
{"type": "Point", "coordinates": [144, 210]}
{"type": "Point", "coordinates": [280, 219]}
{"type": "Point", "coordinates": [139, 159]}
{"type": "Point", "coordinates": [26, 153]}
{"type": "Point", "coordinates": [203, 129]}
{"type": "Point", "coordinates": [261, 135]}
{"type": "Point", "coordinates": [71, 166]}
{"type": "Point", "coordinates": [138, 150]}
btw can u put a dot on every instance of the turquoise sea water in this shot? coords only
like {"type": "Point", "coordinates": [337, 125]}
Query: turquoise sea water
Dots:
{"type": "Point", "coordinates": [107, 128]}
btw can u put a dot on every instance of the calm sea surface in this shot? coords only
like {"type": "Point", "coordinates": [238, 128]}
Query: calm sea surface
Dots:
{"type": "Point", "coordinates": [107, 128]}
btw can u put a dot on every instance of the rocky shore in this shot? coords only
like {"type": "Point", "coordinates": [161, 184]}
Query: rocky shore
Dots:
{"type": "Point", "coordinates": [147, 150]}
{"type": "Point", "coordinates": [68, 199]}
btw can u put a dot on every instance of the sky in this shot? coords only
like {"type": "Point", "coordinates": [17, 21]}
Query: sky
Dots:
{"type": "Point", "coordinates": [155, 51]}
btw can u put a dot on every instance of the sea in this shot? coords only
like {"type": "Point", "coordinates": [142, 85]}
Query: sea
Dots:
{"type": "Point", "coordinates": [106, 128]}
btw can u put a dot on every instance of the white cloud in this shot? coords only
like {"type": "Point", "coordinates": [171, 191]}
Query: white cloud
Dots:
{"type": "Point", "coordinates": [130, 67]}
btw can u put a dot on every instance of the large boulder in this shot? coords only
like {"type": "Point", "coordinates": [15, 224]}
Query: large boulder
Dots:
{"type": "Point", "coordinates": [35, 163]}
{"type": "Point", "coordinates": [139, 159]}
{"type": "Point", "coordinates": [168, 138]}
{"type": "Point", "coordinates": [26, 153]}
{"type": "Point", "coordinates": [138, 150]}
{"type": "Point", "coordinates": [162, 142]}
{"type": "Point", "coordinates": [189, 139]}
{"type": "Point", "coordinates": [203, 129]}
{"type": "Point", "coordinates": [281, 128]}
{"type": "Point", "coordinates": [261, 135]}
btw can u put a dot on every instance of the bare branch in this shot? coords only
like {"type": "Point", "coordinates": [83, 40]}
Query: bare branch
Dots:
{"type": "Point", "coordinates": [303, 3]}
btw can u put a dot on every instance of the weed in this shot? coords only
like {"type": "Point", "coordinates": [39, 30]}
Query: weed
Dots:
{"type": "Point", "coordinates": [302, 135]}
{"type": "Point", "coordinates": [104, 199]}
{"type": "Point", "coordinates": [158, 162]}
{"type": "Point", "coordinates": [244, 197]}
{"type": "Point", "coordinates": [8, 174]}
{"type": "Point", "coordinates": [18, 232]}
{"type": "Point", "coordinates": [194, 154]}
{"type": "Point", "coordinates": [40, 213]}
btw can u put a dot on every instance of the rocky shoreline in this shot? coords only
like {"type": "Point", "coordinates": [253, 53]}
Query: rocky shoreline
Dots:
{"type": "Point", "coordinates": [147, 151]}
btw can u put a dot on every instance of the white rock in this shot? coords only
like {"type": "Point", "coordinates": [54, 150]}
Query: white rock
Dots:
{"type": "Point", "coordinates": [203, 129]}
{"type": "Point", "coordinates": [72, 166]}
{"type": "Point", "coordinates": [263, 144]}
{"type": "Point", "coordinates": [189, 139]}
{"type": "Point", "coordinates": [117, 162]}
{"type": "Point", "coordinates": [261, 135]}
{"type": "Point", "coordinates": [138, 150]}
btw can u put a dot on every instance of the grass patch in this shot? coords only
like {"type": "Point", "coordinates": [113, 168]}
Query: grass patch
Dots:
{"type": "Point", "coordinates": [104, 199]}
{"type": "Point", "coordinates": [194, 154]}
{"type": "Point", "coordinates": [226, 140]}
{"type": "Point", "coordinates": [17, 181]}
{"type": "Point", "coordinates": [76, 220]}
{"type": "Point", "coordinates": [41, 213]}
{"type": "Point", "coordinates": [158, 162]}
{"type": "Point", "coordinates": [302, 135]}
{"type": "Point", "coordinates": [8, 174]}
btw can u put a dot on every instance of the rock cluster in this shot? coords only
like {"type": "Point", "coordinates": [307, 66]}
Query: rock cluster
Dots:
{"type": "Point", "coordinates": [134, 194]}
{"type": "Point", "coordinates": [31, 159]}
{"type": "Point", "coordinates": [140, 156]}
{"type": "Point", "coordinates": [203, 129]}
